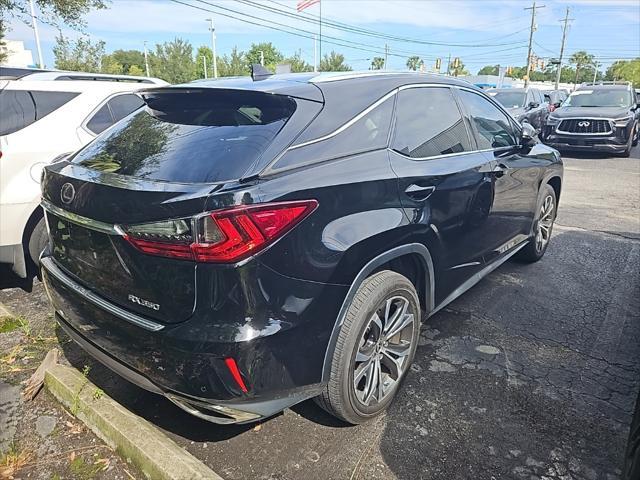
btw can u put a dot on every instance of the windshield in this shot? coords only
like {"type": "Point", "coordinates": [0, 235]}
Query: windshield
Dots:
{"type": "Point", "coordinates": [599, 98]}
{"type": "Point", "coordinates": [509, 99]}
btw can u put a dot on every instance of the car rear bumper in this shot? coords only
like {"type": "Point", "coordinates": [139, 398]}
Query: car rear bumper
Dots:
{"type": "Point", "coordinates": [186, 362]}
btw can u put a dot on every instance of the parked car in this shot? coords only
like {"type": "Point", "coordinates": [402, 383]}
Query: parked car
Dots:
{"type": "Point", "coordinates": [240, 245]}
{"type": "Point", "coordinates": [554, 98]}
{"type": "Point", "coordinates": [524, 104]}
{"type": "Point", "coordinates": [45, 115]}
{"type": "Point", "coordinates": [596, 117]}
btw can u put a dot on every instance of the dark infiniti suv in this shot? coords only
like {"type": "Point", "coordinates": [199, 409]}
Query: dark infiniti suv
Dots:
{"type": "Point", "coordinates": [596, 117]}
{"type": "Point", "coordinates": [240, 246]}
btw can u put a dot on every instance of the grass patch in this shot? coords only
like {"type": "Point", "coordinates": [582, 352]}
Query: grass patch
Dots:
{"type": "Point", "coordinates": [13, 461]}
{"type": "Point", "coordinates": [9, 323]}
{"type": "Point", "coordinates": [84, 470]}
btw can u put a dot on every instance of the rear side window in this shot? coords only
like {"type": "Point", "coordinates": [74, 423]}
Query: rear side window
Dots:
{"type": "Point", "coordinates": [367, 133]}
{"type": "Point", "coordinates": [429, 124]}
{"type": "Point", "coordinates": [21, 108]}
{"type": "Point", "coordinates": [191, 136]}
{"type": "Point", "coordinates": [113, 111]}
{"type": "Point", "coordinates": [493, 127]}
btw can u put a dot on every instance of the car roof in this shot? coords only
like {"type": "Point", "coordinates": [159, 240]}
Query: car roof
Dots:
{"type": "Point", "coordinates": [313, 85]}
{"type": "Point", "coordinates": [519, 90]}
{"type": "Point", "coordinates": [92, 77]}
{"type": "Point", "coordinates": [79, 86]}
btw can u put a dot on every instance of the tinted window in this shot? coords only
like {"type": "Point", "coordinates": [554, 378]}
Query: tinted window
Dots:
{"type": "Point", "coordinates": [493, 126]}
{"type": "Point", "coordinates": [123, 105]}
{"type": "Point", "coordinates": [368, 133]}
{"type": "Point", "coordinates": [509, 99]}
{"type": "Point", "coordinates": [20, 108]}
{"type": "Point", "coordinates": [599, 98]}
{"type": "Point", "coordinates": [191, 136]}
{"type": "Point", "coordinates": [428, 123]}
{"type": "Point", "coordinates": [101, 120]}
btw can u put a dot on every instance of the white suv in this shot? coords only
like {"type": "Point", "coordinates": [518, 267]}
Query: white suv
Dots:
{"type": "Point", "coordinates": [44, 116]}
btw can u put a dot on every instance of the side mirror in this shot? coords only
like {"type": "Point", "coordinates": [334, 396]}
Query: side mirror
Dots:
{"type": "Point", "coordinates": [557, 104]}
{"type": "Point", "coordinates": [528, 135]}
{"type": "Point", "coordinates": [533, 105]}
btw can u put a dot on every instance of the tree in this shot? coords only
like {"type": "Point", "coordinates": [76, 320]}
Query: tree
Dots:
{"type": "Point", "coordinates": [272, 56]}
{"type": "Point", "coordinates": [377, 63]}
{"type": "Point", "coordinates": [334, 62]}
{"type": "Point", "coordinates": [203, 54]}
{"type": "Point", "coordinates": [298, 64]}
{"type": "Point", "coordinates": [3, 45]}
{"type": "Point", "coordinates": [489, 70]}
{"type": "Point", "coordinates": [122, 61]}
{"type": "Point", "coordinates": [458, 71]}
{"type": "Point", "coordinates": [414, 63]}
{"type": "Point", "coordinates": [582, 60]}
{"type": "Point", "coordinates": [69, 12]}
{"type": "Point", "coordinates": [173, 61]}
{"type": "Point", "coordinates": [79, 56]}
{"type": "Point", "coordinates": [625, 70]}
{"type": "Point", "coordinates": [233, 65]}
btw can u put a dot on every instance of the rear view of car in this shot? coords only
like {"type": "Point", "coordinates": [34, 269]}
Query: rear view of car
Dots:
{"type": "Point", "coordinates": [43, 117]}
{"type": "Point", "coordinates": [596, 117]}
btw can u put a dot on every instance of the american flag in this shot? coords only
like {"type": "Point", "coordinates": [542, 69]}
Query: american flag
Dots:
{"type": "Point", "coordinates": [302, 4]}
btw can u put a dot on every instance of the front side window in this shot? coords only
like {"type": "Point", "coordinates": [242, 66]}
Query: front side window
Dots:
{"type": "Point", "coordinates": [21, 108]}
{"type": "Point", "coordinates": [429, 124]}
{"type": "Point", "coordinates": [493, 127]}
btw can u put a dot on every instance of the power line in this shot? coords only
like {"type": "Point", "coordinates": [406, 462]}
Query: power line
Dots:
{"type": "Point", "coordinates": [564, 36]}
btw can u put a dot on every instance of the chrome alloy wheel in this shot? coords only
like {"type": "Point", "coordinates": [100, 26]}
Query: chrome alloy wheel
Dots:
{"type": "Point", "coordinates": [383, 351]}
{"type": "Point", "coordinates": [545, 223]}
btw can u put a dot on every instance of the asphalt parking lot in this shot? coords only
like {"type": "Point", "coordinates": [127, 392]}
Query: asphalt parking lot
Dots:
{"type": "Point", "coordinates": [532, 374]}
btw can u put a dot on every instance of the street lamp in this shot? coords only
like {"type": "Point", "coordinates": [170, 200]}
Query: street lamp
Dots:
{"type": "Point", "coordinates": [213, 46]}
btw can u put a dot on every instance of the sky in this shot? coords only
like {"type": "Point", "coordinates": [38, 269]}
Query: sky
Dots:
{"type": "Point", "coordinates": [479, 32]}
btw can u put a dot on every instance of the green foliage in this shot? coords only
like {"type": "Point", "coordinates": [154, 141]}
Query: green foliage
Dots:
{"type": "Point", "coordinates": [489, 70]}
{"type": "Point", "coordinates": [80, 55]}
{"type": "Point", "coordinates": [53, 12]}
{"type": "Point", "coordinates": [3, 45]}
{"type": "Point", "coordinates": [233, 65]}
{"type": "Point", "coordinates": [121, 62]}
{"type": "Point", "coordinates": [9, 324]}
{"type": "Point", "coordinates": [625, 70]}
{"type": "Point", "coordinates": [272, 56]}
{"type": "Point", "coordinates": [334, 62]}
{"type": "Point", "coordinates": [98, 393]}
{"type": "Point", "coordinates": [204, 51]}
{"type": "Point", "coordinates": [83, 470]}
{"type": "Point", "coordinates": [377, 63]}
{"type": "Point", "coordinates": [584, 63]}
{"type": "Point", "coordinates": [173, 61]}
{"type": "Point", "coordinates": [414, 63]}
{"type": "Point", "coordinates": [297, 63]}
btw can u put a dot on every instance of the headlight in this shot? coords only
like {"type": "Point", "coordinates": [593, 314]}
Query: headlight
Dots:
{"type": "Point", "coordinates": [553, 120]}
{"type": "Point", "coordinates": [623, 122]}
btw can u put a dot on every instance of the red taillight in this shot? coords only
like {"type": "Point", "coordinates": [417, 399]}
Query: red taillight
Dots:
{"type": "Point", "coordinates": [235, 373]}
{"type": "Point", "coordinates": [223, 236]}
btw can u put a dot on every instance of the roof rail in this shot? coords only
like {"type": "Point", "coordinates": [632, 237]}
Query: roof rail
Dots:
{"type": "Point", "coordinates": [614, 82]}
{"type": "Point", "coordinates": [103, 78]}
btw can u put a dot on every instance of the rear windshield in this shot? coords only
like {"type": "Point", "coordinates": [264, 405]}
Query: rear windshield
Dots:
{"type": "Point", "coordinates": [509, 99]}
{"type": "Point", "coordinates": [191, 136]}
{"type": "Point", "coordinates": [20, 108]}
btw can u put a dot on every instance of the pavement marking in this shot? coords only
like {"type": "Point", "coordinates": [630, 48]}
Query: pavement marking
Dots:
{"type": "Point", "coordinates": [134, 438]}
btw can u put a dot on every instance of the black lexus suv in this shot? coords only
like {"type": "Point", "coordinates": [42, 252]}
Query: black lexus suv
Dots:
{"type": "Point", "coordinates": [244, 244]}
{"type": "Point", "coordinates": [596, 117]}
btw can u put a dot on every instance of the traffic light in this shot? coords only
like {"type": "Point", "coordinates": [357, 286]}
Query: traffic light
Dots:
{"type": "Point", "coordinates": [509, 70]}
{"type": "Point", "coordinates": [456, 62]}
{"type": "Point", "coordinates": [541, 66]}
{"type": "Point", "coordinates": [438, 64]}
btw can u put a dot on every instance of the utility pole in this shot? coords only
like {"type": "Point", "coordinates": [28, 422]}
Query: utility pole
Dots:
{"type": "Point", "coordinates": [146, 59]}
{"type": "Point", "coordinates": [34, 22]}
{"type": "Point", "coordinates": [564, 37]}
{"type": "Point", "coordinates": [213, 47]}
{"type": "Point", "coordinates": [204, 65]}
{"type": "Point", "coordinates": [533, 27]}
{"type": "Point", "coordinates": [262, 58]}
{"type": "Point", "coordinates": [315, 52]}
{"type": "Point", "coordinates": [595, 71]}
{"type": "Point", "coordinates": [386, 55]}
{"type": "Point", "coordinates": [449, 65]}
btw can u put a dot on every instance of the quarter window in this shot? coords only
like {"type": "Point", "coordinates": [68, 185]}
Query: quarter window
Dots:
{"type": "Point", "coordinates": [429, 124]}
{"type": "Point", "coordinates": [113, 111]}
{"type": "Point", "coordinates": [493, 127]}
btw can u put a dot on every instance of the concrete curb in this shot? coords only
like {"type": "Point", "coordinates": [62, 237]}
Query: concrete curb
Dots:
{"type": "Point", "coordinates": [135, 439]}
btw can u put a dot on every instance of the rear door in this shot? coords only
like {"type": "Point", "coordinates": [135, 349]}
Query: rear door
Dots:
{"type": "Point", "coordinates": [446, 185]}
{"type": "Point", "coordinates": [515, 174]}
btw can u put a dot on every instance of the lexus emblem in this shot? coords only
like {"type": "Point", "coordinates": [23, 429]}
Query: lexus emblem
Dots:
{"type": "Point", "coordinates": [67, 193]}
{"type": "Point", "coordinates": [584, 124]}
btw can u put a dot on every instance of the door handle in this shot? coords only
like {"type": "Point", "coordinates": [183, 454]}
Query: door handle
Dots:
{"type": "Point", "coordinates": [419, 192]}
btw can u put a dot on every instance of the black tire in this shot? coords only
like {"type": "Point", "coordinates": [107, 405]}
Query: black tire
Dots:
{"type": "Point", "coordinates": [340, 397]}
{"type": "Point", "coordinates": [38, 239]}
{"type": "Point", "coordinates": [534, 250]}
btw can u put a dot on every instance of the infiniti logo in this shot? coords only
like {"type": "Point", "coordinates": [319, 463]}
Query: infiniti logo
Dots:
{"type": "Point", "coordinates": [584, 124]}
{"type": "Point", "coordinates": [67, 193]}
